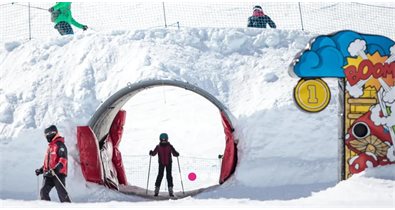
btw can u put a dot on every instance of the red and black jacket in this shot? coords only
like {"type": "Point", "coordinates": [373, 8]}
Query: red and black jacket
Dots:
{"type": "Point", "coordinates": [260, 20]}
{"type": "Point", "coordinates": [164, 151]}
{"type": "Point", "coordinates": [56, 156]}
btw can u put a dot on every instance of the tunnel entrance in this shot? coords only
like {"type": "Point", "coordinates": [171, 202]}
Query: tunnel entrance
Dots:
{"type": "Point", "coordinates": [101, 160]}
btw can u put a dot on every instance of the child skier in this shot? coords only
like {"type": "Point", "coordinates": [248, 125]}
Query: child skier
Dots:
{"type": "Point", "coordinates": [61, 16]}
{"type": "Point", "coordinates": [259, 19]}
{"type": "Point", "coordinates": [164, 150]}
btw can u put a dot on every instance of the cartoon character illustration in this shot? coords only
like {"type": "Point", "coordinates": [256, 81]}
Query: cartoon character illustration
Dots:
{"type": "Point", "coordinates": [371, 143]}
{"type": "Point", "coordinates": [365, 65]}
{"type": "Point", "coordinates": [371, 137]}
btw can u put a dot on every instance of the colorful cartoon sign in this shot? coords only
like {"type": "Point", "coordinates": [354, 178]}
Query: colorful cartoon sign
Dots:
{"type": "Point", "coordinates": [365, 65]}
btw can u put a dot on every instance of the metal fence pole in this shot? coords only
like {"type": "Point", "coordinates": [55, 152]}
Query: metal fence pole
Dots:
{"type": "Point", "coordinates": [30, 28]}
{"type": "Point", "coordinates": [341, 132]}
{"type": "Point", "coordinates": [164, 13]}
{"type": "Point", "coordinates": [301, 18]}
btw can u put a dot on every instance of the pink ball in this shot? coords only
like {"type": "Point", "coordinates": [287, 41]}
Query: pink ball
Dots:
{"type": "Point", "coordinates": [192, 176]}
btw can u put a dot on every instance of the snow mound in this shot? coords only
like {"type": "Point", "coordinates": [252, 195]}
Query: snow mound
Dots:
{"type": "Point", "coordinates": [63, 81]}
{"type": "Point", "coordinates": [10, 46]}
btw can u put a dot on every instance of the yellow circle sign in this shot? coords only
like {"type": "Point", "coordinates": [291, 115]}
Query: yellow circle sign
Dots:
{"type": "Point", "coordinates": [312, 95]}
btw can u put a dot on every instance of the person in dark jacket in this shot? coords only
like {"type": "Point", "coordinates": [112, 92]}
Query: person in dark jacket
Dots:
{"type": "Point", "coordinates": [55, 166]}
{"type": "Point", "coordinates": [164, 150]}
{"type": "Point", "coordinates": [259, 19]}
{"type": "Point", "coordinates": [61, 16]}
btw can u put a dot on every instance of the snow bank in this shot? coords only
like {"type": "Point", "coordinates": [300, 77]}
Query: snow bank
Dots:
{"type": "Point", "coordinates": [10, 46]}
{"type": "Point", "coordinates": [62, 81]}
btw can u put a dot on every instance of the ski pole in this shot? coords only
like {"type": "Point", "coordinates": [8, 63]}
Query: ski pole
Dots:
{"type": "Point", "coordinates": [149, 169]}
{"type": "Point", "coordinates": [93, 29]}
{"type": "Point", "coordinates": [179, 169]}
{"type": "Point", "coordinates": [53, 173]}
{"type": "Point", "coordinates": [14, 3]}
{"type": "Point", "coordinates": [38, 187]}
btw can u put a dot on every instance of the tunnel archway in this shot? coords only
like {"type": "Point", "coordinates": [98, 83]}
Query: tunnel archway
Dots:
{"type": "Point", "coordinates": [95, 153]}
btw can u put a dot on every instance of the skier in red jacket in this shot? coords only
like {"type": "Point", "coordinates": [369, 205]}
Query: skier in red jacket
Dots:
{"type": "Point", "coordinates": [164, 150]}
{"type": "Point", "coordinates": [55, 166]}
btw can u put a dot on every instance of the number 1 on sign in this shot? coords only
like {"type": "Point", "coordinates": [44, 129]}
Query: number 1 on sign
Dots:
{"type": "Point", "coordinates": [312, 94]}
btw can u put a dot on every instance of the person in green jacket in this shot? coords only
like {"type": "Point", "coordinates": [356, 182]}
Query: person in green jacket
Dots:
{"type": "Point", "coordinates": [61, 16]}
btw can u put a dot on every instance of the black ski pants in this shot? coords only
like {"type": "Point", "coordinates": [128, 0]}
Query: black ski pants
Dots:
{"type": "Point", "coordinates": [64, 28]}
{"type": "Point", "coordinates": [49, 183]}
{"type": "Point", "coordinates": [160, 175]}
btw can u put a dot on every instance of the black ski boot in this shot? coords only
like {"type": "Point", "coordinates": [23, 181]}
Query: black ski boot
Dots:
{"type": "Point", "coordinates": [171, 194]}
{"type": "Point", "coordinates": [156, 191]}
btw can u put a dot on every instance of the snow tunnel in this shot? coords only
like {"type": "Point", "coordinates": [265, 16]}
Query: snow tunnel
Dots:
{"type": "Point", "coordinates": [100, 157]}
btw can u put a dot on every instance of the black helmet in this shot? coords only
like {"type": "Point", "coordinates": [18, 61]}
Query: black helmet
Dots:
{"type": "Point", "coordinates": [163, 137]}
{"type": "Point", "coordinates": [257, 7]}
{"type": "Point", "coordinates": [50, 132]}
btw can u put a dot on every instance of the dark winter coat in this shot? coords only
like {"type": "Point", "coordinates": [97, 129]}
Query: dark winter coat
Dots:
{"type": "Point", "coordinates": [164, 151]}
{"type": "Point", "coordinates": [260, 20]}
{"type": "Point", "coordinates": [56, 156]}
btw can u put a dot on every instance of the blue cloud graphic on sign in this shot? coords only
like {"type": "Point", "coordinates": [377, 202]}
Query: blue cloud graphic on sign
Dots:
{"type": "Point", "coordinates": [327, 54]}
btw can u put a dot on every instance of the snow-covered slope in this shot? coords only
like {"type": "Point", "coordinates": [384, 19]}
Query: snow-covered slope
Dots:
{"type": "Point", "coordinates": [284, 153]}
{"type": "Point", "coordinates": [375, 189]}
